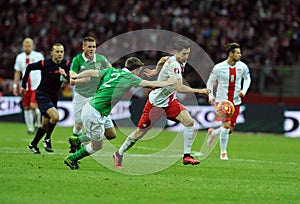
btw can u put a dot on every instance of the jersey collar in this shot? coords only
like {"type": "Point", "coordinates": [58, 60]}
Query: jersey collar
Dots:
{"type": "Point", "coordinates": [125, 69]}
{"type": "Point", "coordinates": [86, 59]}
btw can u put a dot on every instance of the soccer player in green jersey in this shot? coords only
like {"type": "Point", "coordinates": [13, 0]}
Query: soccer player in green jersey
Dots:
{"type": "Point", "coordinates": [113, 85]}
{"type": "Point", "coordinates": [86, 87]}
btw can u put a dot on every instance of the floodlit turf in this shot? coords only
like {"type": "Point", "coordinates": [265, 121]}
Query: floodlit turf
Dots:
{"type": "Point", "coordinates": [262, 169]}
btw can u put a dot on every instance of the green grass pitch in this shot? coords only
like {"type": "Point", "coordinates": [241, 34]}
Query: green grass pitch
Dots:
{"type": "Point", "coordinates": [263, 168]}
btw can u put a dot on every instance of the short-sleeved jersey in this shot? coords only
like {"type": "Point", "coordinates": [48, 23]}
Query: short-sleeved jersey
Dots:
{"type": "Point", "coordinates": [172, 68]}
{"type": "Point", "coordinates": [81, 63]}
{"type": "Point", "coordinates": [114, 84]}
{"type": "Point", "coordinates": [229, 80]}
{"type": "Point", "coordinates": [22, 60]}
{"type": "Point", "coordinates": [51, 80]}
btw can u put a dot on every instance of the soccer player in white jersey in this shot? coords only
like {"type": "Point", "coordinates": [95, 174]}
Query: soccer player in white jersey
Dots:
{"type": "Point", "coordinates": [31, 110]}
{"type": "Point", "coordinates": [228, 75]}
{"type": "Point", "coordinates": [163, 101]}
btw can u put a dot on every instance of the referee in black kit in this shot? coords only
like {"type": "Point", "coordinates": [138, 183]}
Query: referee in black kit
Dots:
{"type": "Point", "coordinates": [53, 72]}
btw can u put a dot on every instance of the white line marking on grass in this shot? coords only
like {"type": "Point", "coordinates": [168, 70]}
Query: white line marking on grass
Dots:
{"type": "Point", "coordinates": [10, 150]}
{"type": "Point", "coordinates": [263, 161]}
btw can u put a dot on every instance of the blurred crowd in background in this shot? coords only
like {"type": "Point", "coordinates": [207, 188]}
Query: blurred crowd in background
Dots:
{"type": "Point", "coordinates": [268, 31]}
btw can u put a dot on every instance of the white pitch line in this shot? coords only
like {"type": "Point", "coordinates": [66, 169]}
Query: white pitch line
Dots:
{"type": "Point", "coordinates": [107, 154]}
{"type": "Point", "coordinates": [263, 161]}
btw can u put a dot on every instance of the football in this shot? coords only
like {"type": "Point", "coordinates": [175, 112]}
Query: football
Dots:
{"type": "Point", "coordinates": [225, 109]}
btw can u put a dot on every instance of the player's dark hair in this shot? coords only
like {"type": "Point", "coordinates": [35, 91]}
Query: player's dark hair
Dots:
{"type": "Point", "coordinates": [88, 39]}
{"type": "Point", "coordinates": [230, 47]}
{"type": "Point", "coordinates": [133, 63]}
{"type": "Point", "coordinates": [54, 45]}
{"type": "Point", "coordinates": [182, 44]}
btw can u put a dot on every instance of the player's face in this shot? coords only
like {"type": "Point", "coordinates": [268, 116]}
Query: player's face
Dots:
{"type": "Point", "coordinates": [89, 49]}
{"type": "Point", "coordinates": [236, 56]}
{"type": "Point", "coordinates": [57, 53]}
{"type": "Point", "coordinates": [27, 47]}
{"type": "Point", "coordinates": [183, 55]}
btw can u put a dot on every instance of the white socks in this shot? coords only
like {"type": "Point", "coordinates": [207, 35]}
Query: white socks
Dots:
{"type": "Point", "coordinates": [129, 142]}
{"type": "Point", "coordinates": [37, 117]}
{"type": "Point", "coordinates": [89, 148]}
{"type": "Point", "coordinates": [28, 116]}
{"type": "Point", "coordinates": [224, 137]}
{"type": "Point", "coordinates": [188, 136]}
{"type": "Point", "coordinates": [216, 131]}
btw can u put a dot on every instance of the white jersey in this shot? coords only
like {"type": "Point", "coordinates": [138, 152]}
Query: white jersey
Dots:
{"type": "Point", "coordinates": [229, 80]}
{"type": "Point", "coordinates": [21, 63]}
{"type": "Point", "coordinates": [172, 68]}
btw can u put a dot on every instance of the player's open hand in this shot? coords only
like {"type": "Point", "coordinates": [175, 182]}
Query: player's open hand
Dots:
{"type": "Point", "coordinates": [150, 72]}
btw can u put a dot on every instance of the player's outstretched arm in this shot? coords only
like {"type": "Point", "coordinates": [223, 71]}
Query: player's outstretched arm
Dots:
{"type": "Point", "coordinates": [78, 81]}
{"type": "Point", "coordinates": [180, 87]}
{"type": "Point", "coordinates": [157, 84]}
{"type": "Point", "coordinates": [86, 73]}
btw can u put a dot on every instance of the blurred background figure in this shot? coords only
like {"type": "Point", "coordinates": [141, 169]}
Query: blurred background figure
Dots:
{"type": "Point", "coordinates": [32, 113]}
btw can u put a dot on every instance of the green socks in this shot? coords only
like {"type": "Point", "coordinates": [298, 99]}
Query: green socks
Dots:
{"type": "Point", "coordinates": [79, 154]}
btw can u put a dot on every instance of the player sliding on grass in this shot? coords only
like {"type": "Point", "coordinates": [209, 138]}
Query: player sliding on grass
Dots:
{"type": "Point", "coordinates": [163, 101]}
{"type": "Point", "coordinates": [229, 75]}
{"type": "Point", "coordinates": [113, 85]}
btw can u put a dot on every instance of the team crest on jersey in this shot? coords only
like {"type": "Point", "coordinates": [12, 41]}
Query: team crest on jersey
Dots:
{"type": "Point", "coordinates": [176, 70]}
{"type": "Point", "coordinates": [98, 66]}
{"type": "Point", "coordinates": [239, 71]}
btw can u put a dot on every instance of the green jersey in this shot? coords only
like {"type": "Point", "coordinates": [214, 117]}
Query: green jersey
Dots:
{"type": "Point", "coordinates": [114, 84]}
{"type": "Point", "coordinates": [79, 64]}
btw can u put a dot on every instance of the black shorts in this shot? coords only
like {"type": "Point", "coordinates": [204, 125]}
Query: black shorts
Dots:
{"type": "Point", "coordinates": [45, 102]}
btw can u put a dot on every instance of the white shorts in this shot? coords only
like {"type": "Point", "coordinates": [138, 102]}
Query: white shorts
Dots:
{"type": "Point", "coordinates": [94, 122]}
{"type": "Point", "coordinates": [78, 102]}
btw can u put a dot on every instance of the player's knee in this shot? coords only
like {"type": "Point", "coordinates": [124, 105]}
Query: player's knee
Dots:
{"type": "Point", "coordinates": [33, 106]}
{"type": "Point", "coordinates": [227, 125]}
{"type": "Point", "coordinates": [78, 126]}
{"type": "Point", "coordinates": [97, 146]}
{"type": "Point", "coordinates": [54, 119]}
{"type": "Point", "coordinates": [110, 136]}
{"type": "Point", "coordinates": [188, 123]}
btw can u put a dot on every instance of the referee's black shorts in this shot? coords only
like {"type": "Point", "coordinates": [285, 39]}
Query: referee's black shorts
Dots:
{"type": "Point", "coordinates": [45, 102]}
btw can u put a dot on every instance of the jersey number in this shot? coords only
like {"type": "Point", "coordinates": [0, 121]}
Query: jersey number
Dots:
{"type": "Point", "coordinates": [114, 76]}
